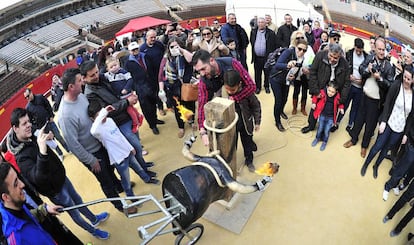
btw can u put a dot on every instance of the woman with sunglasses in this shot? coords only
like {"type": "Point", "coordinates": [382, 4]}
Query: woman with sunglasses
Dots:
{"type": "Point", "coordinates": [175, 69]}
{"type": "Point", "coordinates": [283, 73]}
{"type": "Point", "coordinates": [301, 82]}
{"type": "Point", "coordinates": [211, 44]}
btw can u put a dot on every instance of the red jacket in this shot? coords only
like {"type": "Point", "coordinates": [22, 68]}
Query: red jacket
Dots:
{"type": "Point", "coordinates": [320, 104]}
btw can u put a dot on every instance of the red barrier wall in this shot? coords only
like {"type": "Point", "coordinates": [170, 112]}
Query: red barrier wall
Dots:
{"type": "Point", "coordinates": [40, 85]}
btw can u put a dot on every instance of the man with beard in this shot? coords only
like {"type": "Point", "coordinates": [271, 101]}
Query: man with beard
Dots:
{"type": "Point", "coordinates": [20, 226]}
{"type": "Point", "coordinates": [211, 80]}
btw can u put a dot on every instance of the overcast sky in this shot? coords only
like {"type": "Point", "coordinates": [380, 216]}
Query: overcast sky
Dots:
{"type": "Point", "coordinates": [6, 3]}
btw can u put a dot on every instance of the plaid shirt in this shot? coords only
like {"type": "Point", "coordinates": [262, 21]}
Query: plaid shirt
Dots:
{"type": "Point", "coordinates": [204, 94]}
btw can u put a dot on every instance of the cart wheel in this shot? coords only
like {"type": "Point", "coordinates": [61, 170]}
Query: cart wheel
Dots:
{"type": "Point", "coordinates": [195, 231]}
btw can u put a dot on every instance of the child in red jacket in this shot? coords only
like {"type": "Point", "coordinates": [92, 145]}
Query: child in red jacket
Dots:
{"type": "Point", "coordinates": [325, 107]}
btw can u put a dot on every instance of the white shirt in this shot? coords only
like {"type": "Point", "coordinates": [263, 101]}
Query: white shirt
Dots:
{"type": "Point", "coordinates": [111, 137]}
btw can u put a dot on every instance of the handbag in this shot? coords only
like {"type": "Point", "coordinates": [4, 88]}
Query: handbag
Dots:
{"type": "Point", "coordinates": [189, 91]}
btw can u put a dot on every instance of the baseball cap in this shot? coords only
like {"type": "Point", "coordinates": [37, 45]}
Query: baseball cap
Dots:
{"type": "Point", "coordinates": [132, 46]}
{"type": "Point", "coordinates": [334, 34]}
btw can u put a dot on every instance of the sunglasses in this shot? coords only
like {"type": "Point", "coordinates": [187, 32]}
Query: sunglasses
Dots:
{"type": "Point", "coordinates": [26, 96]}
{"type": "Point", "coordinates": [336, 39]}
{"type": "Point", "coordinates": [206, 34]}
{"type": "Point", "coordinates": [302, 49]}
{"type": "Point", "coordinates": [298, 38]}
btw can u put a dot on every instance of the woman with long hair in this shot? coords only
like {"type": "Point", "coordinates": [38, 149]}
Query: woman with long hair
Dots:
{"type": "Point", "coordinates": [283, 74]}
{"type": "Point", "coordinates": [176, 69]}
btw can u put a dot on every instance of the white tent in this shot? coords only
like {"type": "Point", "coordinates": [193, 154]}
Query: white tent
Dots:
{"type": "Point", "coordinates": [246, 9]}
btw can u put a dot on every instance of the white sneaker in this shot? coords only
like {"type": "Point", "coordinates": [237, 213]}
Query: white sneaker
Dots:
{"type": "Point", "coordinates": [396, 191]}
{"type": "Point", "coordinates": [385, 195]}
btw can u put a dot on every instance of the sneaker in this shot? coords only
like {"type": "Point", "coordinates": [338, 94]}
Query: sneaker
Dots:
{"type": "Point", "coordinates": [396, 191]}
{"type": "Point", "coordinates": [144, 152]}
{"type": "Point", "coordinates": [60, 157]}
{"type": "Point", "coordinates": [153, 181]}
{"type": "Point", "coordinates": [385, 219]}
{"type": "Point", "coordinates": [100, 234]}
{"type": "Point", "coordinates": [394, 233]}
{"type": "Point", "coordinates": [251, 167]}
{"type": "Point", "coordinates": [385, 195]}
{"type": "Point", "coordinates": [323, 146]}
{"type": "Point", "coordinates": [100, 218]}
{"type": "Point", "coordinates": [315, 142]}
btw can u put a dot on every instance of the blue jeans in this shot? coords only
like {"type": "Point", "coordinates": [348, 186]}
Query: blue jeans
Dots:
{"type": "Point", "coordinates": [123, 170]}
{"type": "Point", "coordinates": [401, 167]}
{"type": "Point", "coordinates": [325, 124]}
{"type": "Point", "coordinates": [126, 130]}
{"type": "Point", "coordinates": [385, 141]}
{"type": "Point", "coordinates": [355, 95]}
{"type": "Point", "coordinates": [68, 197]}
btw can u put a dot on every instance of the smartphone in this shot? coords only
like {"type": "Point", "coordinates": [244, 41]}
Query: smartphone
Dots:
{"type": "Point", "coordinates": [47, 128]}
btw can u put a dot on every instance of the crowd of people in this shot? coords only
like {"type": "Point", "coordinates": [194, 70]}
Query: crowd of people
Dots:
{"type": "Point", "coordinates": [97, 108]}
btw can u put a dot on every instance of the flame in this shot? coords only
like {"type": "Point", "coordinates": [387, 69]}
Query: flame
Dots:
{"type": "Point", "coordinates": [268, 169]}
{"type": "Point", "coordinates": [186, 114]}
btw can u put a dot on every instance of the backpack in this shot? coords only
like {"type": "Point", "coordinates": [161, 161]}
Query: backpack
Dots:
{"type": "Point", "coordinates": [273, 56]}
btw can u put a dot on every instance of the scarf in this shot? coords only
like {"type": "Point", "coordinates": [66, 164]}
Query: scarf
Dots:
{"type": "Point", "coordinates": [174, 69]}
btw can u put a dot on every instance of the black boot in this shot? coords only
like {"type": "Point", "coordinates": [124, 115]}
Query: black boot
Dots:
{"type": "Point", "coordinates": [364, 169]}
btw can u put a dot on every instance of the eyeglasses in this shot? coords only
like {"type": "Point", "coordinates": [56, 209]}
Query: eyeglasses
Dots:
{"type": "Point", "coordinates": [206, 34]}
{"type": "Point", "coordinates": [302, 49]}
{"type": "Point", "coordinates": [298, 38]}
{"type": "Point", "coordinates": [336, 39]}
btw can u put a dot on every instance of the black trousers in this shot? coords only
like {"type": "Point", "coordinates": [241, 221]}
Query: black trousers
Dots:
{"type": "Point", "coordinates": [259, 63]}
{"type": "Point", "coordinates": [406, 197]}
{"type": "Point", "coordinates": [148, 105]}
{"type": "Point", "coordinates": [401, 168]}
{"type": "Point", "coordinates": [368, 114]}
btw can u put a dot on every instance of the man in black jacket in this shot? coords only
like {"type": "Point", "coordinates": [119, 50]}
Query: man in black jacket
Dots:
{"type": "Point", "coordinates": [355, 57]}
{"type": "Point", "coordinates": [40, 112]}
{"type": "Point", "coordinates": [263, 42]}
{"type": "Point", "coordinates": [377, 75]}
{"type": "Point", "coordinates": [43, 169]}
{"type": "Point", "coordinates": [285, 31]}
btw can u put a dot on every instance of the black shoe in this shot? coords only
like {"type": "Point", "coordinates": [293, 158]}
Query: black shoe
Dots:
{"type": "Point", "coordinates": [280, 127]}
{"type": "Point", "coordinates": [390, 157]}
{"type": "Point", "coordinates": [364, 169]}
{"type": "Point", "coordinates": [153, 181]}
{"type": "Point", "coordinates": [160, 121]}
{"type": "Point", "coordinates": [254, 147]}
{"type": "Point", "coordinates": [267, 89]}
{"type": "Point", "coordinates": [155, 131]}
{"type": "Point", "coordinates": [283, 115]}
{"type": "Point", "coordinates": [306, 129]}
{"type": "Point", "coordinates": [132, 184]}
{"type": "Point", "coordinates": [394, 233]}
{"type": "Point", "coordinates": [385, 219]}
{"type": "Point", "coordinates": [375, 171]}
{"type": "Point", "coordinates": [348, 128]}
{"type": "Point", "coordinates": [251, 168]}
{"type": "Point", "coordinates": [410, 236]}
{"type": "Point", "coordinates": [258, 91]}
{"type": "Point", "coordinates": [149, 164]}
{"type": "Point", "coordinates": [151, 173]}
{"type": "Point", "coordinates": [334, 128]}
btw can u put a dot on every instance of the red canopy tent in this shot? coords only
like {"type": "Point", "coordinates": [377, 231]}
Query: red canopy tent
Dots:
{"type": "Point", "coordinates": [141, 23]}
